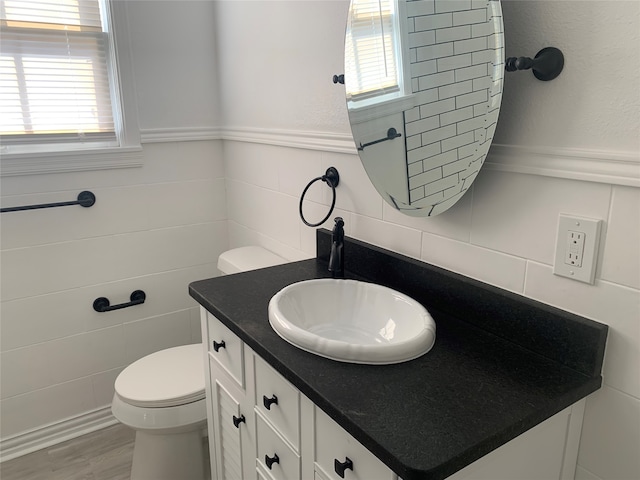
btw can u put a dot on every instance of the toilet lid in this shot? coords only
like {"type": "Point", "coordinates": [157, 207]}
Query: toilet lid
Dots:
{"type": "Point", "coordinates": [167, 378]}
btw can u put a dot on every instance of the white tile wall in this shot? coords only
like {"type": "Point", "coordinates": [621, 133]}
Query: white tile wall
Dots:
{"type": "Point", "coordinates": [155, 228]}
{"type": "Point", "coordinates": [503, 233]}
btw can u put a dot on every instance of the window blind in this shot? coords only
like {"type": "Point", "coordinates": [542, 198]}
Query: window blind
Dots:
{"type": "Point", "coordinates": [54, 73]}
{"type": "Point", "coordinates": [371, 66]}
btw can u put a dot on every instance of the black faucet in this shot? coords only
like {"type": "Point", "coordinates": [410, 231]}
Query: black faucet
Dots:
{"type": "Point", "coordinates": [336, 259]}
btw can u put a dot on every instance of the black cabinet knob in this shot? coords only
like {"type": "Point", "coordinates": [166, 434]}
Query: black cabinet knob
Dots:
{"type": "Point", "coordinates": [340, 467]}
{"type": "Point", "coordinates": [271, 460]}
{"type": "Point", "coordinates": [238, 420]}
{"type": "Point", "coordinates": [217, 346]}
{"type": "Point", "coordinates": [269, 401]}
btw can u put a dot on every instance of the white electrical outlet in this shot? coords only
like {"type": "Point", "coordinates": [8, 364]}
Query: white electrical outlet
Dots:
{"type": "Point", "coordinates": [577, 246]}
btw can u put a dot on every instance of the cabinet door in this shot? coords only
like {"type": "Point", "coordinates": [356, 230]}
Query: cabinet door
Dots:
{"type": "Point", "coordinates": [536, 454]}
{"type": "Point", "coordinates": [230, 432]}
{"type": "Point", "coordinates": [340, 456]}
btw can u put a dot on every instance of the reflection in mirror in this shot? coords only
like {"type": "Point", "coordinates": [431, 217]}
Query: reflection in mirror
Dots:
{"type": "Point", "coordinates": [423, 81]}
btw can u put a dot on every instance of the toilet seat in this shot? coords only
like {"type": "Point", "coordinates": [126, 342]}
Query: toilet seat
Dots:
{"type": "Point", "coordinates": [167, 378]}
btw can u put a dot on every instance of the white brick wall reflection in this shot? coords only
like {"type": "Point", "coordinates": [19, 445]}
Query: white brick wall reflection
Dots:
{"type": "Point", "coordinates": [456, 72]}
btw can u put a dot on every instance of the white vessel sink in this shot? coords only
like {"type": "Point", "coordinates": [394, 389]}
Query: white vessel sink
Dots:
{"type": "Point", "coordinates": [352, 321]}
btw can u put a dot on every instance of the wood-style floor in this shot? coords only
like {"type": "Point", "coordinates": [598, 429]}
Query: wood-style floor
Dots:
{"type": "Point", "coordinates": [102, 455]}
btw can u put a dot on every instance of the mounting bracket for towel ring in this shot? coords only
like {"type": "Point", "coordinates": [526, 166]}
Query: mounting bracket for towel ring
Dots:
{"type": "Point", "coordinates": [546, 65]}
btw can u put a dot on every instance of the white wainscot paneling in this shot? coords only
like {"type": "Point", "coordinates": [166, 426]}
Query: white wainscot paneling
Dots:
{"type": "Point", "coordinates": [241, 236]}
{"type": "Point", "coordinates": [117, 210]}
{"type": "Point", "coordinates": [185, 203]}
{"type": "Point", "coordinates": [103, 386]}
{"type": "Point", "coordinates": [615, 305]}
{"type": "Point", "coordinates": [24, 370]}
{"type": "Point", "coordinates": [268, 211]}
{"type": "Point", "coordinates": [253, 163]}
{"type": "Point", "coordinates": [296, 168]}
{"type": "Point", "coordinates": [518, 214]}
{"type": "Point", "coordinates": [583, 474]}
{"type": "Point", "coordinates": [70, 312]}
{"type": "Point", "coordinates": [59, 266]}
{"type": "Point", "coordinates": [621, 258]}
{"type": "Point", "coordinates": [196, 330]}
{"type": "Point", "coordinates": [610, 435]}
{"type": "Point", "coordinates": [55, 267]}
{"type": "Point", "coordinates": [455, 223]}
{"type": "Point", "coordinates": [146, 336]}
{"type": "Point", "coordinates": [355, 192]}
{"type": "Point", "coordinates": [50, 363]}
{"type": "Point", "coordinates": [504, 271]}
{"type": "Point", "coordinates": [45, 406]}
{"type": "Point", "coordinates": [407, 241]}
{"type": "Point", "coordinates": [155, 251]}
{"type": "Point", "coordinates": [183, 161]}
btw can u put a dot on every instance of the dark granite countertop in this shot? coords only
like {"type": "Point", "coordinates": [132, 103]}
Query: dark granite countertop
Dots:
{"type": "Point", "coordinates": [501, 363]}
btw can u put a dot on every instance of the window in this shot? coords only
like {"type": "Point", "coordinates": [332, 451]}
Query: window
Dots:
{"type": "Point", "coordinates": [373, 51]}
{"type": "Point", "coordinates": [58, 80]}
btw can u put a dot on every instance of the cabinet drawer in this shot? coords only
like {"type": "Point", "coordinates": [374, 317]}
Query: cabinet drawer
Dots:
{"type": "Point", "coordinates": [334, 444]}
{"type": "Point", "coordinates": [225, 348]}
{"type": "Point", "coordinates": [274, 455]}
{"type": "Point", "coordinates": [278, 401]}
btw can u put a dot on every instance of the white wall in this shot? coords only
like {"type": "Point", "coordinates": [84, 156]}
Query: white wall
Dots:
{"type": "Point", "coordinates": [503, 232]}
{"type": "Point", "coordinates": [155, 228]}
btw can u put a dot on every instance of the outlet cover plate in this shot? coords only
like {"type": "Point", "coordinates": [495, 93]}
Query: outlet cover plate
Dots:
{"type": "Point", "coordinates": [590, 228]}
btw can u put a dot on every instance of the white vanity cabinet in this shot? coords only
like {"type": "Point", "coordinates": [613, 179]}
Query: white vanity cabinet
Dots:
{"type": "Point", "coordinates": [262, 428]}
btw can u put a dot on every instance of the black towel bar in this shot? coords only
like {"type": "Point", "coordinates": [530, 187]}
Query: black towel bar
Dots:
{"type": "Point", "coordinates": [391, 134]}
{"type": "Point", "coordinates": [85, 199]}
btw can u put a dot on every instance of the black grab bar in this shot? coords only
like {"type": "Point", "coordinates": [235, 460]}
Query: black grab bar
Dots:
{"type": "Point", "coordinates": [85, 199]}
{"type": "Point", "coordinates": [103, 304]}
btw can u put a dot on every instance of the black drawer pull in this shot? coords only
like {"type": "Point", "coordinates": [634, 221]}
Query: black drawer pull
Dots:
{"type": "Point", "coordinates": [341, 467]}
{"type": "Point", "coordinates": [269, 401]}
{"type": "Point", "coordinates": [238, 420]}
{"type": "Point", "coordinates": [217, 346]}
{"type": "Point", "coordinates": [271, 460]}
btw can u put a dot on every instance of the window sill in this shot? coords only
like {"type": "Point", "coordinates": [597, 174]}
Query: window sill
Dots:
{"type": "Point", "coordinates": [70, 161]}
{"type": "Point", "coordinates": [381, 109]}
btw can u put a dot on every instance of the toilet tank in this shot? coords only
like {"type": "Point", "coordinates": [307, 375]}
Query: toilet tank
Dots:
{"type": "Point", "coordinates": [247, 258]}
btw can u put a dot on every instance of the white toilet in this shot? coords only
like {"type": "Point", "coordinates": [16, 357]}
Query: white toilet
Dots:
{"type": "Point", "coordinates": [162, 396]}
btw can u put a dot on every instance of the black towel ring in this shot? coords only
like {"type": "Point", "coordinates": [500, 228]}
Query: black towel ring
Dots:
{"type": "Point", "coordinates": [331, 178]}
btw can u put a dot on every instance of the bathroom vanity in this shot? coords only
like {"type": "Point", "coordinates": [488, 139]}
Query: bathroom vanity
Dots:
{"type": "Point", "coordinates": [500, 395]}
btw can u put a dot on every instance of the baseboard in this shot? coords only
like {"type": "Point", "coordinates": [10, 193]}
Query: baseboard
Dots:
{"type": "Point", "coordinates": [55, 433]}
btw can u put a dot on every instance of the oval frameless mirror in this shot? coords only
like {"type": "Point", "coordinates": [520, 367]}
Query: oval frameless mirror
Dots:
{"type": "Point", "coordinates": [423, 80]}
